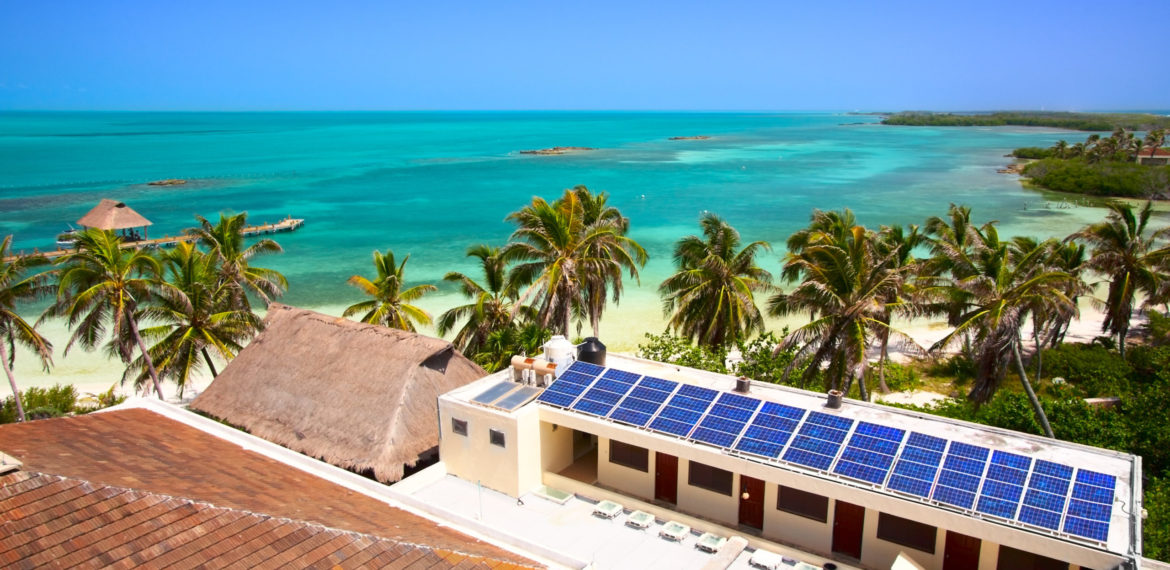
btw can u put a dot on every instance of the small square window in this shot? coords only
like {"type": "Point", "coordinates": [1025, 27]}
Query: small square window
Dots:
{"type": "Point", "coordinates": [496, 437]}
{"type": "Point", "coordinates": [459, 426]}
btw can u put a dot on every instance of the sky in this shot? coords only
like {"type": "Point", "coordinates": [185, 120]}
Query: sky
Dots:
{"type": "Point", "coordinates": [766, 55]}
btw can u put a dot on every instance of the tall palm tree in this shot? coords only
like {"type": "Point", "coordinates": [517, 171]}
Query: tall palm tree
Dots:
{"type": "Point", "coordinates": [597, 212]}
{"type": "Point", "coordinates": [563, 258]}
{"type": "Point", "coordinates": [1125, 255]}
{"type": "Point", "coordinates": [845, 281]}
{"type": "Point", "coordinates": [199, 317]}
{"type": "Point", "coordinates": [100, 282]}
{"type": "Point", "coordinates": [1155, 139]}
{"type": "Point", "coordinates": [1009, 283]}
{"type": "Point", "coordinates": [897, 243]}
{"type": "Point", "coordinates": [493, 304]}
{"type": "Point", "coordinates": [225, 239]}
{"type": "Point", "coordinates": [16, 288]}
{"type": "Point", "coordinates": [390, 303]}
{"type": "Point", "coordinates": [711, 298]}
{"type": "Point", "coordinates": [1060, 149]}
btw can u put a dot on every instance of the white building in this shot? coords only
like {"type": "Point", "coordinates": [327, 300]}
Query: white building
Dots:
{"type": "Point", "coordinates": [858, 484]}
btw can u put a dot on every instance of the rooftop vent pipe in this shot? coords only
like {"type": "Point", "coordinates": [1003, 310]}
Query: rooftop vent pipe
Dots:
{"type": "Point", "coordinates": [743, 385]}
{"type": "Point", "coordinates": [835, 397]}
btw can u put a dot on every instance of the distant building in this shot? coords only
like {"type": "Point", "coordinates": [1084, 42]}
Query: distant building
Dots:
{"type": "Point", "coordinates": [358, 396]}
{"type": "Point", "coordinates": [1161, 157]}
{"type": "Point", "coordinates": [859, 484]}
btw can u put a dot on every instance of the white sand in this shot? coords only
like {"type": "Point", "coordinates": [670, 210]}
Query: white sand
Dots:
{"type": "Point", "coordinates": [93, 373]}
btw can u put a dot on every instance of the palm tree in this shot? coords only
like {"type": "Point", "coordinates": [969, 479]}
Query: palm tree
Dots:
{"type": "Point", "coordinates": [493, 305]}
{"type": "Point", "coordinates": [197, 317]}
{"type": "Point", "coordinates": [102, 281]}
{"type": "Point", "coordinates": [845, 282]}
{"type": "Point", "coordinates": [1155, 139]}
{"type": "Point", "coordinates": [1060, 149]}
{"type": "Point", "coordinates": [14, 289]}
{"type": "Point", "coordinates": [1128, 258]}
{"type": "Point", "coordinates": [502, 343]}
{"type": "Point", "coordinates": [897, 243]}
{"type": "Point", "coordinates": [566, 260]}
{"type": "Point", "coordinates": [711, 298]}
{"type": "Point", "coordinates": [1009, 283]}
{"type": "Point", "coordinates": [390, 303]}
{"type": "Point", "coordinates": [597, 212]}
{"type": "Point", "coordinates": [225, 240]}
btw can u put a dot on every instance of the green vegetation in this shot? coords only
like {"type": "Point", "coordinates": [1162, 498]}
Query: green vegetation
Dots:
{"type": "Point", "coordinates": [390, 300]}
{"type": "Point", "coordinates": [1060, 120]}
{"type": "Point", "coordinates": [42, 403]}
{"type": "Point", "coordinates": [1100, 166]}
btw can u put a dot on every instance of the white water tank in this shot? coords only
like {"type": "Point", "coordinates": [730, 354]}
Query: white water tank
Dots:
{"type": "Point", "coordinates": [559, 351]}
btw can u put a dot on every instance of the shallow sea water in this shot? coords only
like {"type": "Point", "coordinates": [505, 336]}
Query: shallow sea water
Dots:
{"type": "Point", "coordinates": [431, 184]}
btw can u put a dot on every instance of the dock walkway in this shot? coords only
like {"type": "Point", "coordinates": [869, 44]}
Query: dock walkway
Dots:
{"type": "Point", "coordinates": [286, 225]}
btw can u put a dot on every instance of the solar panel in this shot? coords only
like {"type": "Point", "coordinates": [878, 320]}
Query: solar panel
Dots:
{"type": "Point", "coordinates": [770, 430]}
{"type": "Point", "coordinates": [870, 452]}
{"type": "Point", "coordinates": [727, 418]}
{"type": "Point", "coordinates": [683, 410]}
{"type": "Point", "coordinates": [818, 440]}
{"type": "Point", "coordinates": [605, 393]}
{"type": "Point", "coordinates": [587, 368]}
{"type": "Point", "coordinates": [495, 392]}
{"type": "Point", "coordinates": [566, 389]}
{"type": "Point", "coordinates": [643, 401]}
{"type": "Point", "coordinates": [917, 466]}
{"type": "Point", "coordinates": [1045, 498]}
{"type": "Point", "coordinates": [1004, 484]}
{"type": "Point", "coordinates": [962, 469]}
{"type": "Point", "coordinates": [1091, 505]}
{"type": "Point", "coordinates": [517, 398]}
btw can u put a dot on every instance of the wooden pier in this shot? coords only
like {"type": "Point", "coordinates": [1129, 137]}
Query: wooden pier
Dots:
{"type": "Point", "coordinates": [286, 225]}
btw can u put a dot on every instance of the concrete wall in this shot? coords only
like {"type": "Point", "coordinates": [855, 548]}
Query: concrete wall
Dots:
{"type": "Point", "coordinates": [795, 529]}
{"type": "Point", "coordinates": [709, 504]}
{"type": "Point", "coordinates": [509, 469]}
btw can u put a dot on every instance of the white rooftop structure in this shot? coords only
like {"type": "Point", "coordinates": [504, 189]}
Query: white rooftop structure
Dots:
{"type": "Point", "coordinates": [859, 484]}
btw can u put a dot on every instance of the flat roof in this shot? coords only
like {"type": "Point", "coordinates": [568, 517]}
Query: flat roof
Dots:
{"type": "Point", "coordinates": [1123, 467]}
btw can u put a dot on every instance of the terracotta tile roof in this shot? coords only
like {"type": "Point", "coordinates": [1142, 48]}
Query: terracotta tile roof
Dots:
{"type": "Point", "coordinates": [143, 450]}
{"type": "Point", "coordinates": [59, 521]}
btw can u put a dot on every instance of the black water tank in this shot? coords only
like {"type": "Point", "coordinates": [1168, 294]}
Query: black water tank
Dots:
{"type": "Point", "coordinates": [591, 351]}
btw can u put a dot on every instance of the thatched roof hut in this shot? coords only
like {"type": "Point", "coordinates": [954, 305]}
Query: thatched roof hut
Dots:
{"type": "Point", "coordinates": [113, 215]}
{"type": "Point", "coordinates": [359, 396]}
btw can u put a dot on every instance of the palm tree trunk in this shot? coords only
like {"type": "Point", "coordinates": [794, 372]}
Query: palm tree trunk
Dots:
{"type": "Point", "coordinates": [12, 382]}
{"type": "Point", "coordinates": [146, 358]}
{"type": "Point", "coordinates": [1121, 334]}
{"type": "Point", "coordinates": [1036, 407]}
{"type": "Point", "coordinates": [882, 362]}
{"type": "Point", "coordinates": [211, 365]}
{"type": "Point", "coordinates": [1039, 356]}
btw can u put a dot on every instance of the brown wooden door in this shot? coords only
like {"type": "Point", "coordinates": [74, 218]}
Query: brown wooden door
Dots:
{"type": "Point", "coordinates": [751, 502]}
{"type": "Point", "coordinates": [962, 552]}
{"type": "Point", "coordinates": [848, 522]}
{"type": "Point", "coordinates": [666, 478]}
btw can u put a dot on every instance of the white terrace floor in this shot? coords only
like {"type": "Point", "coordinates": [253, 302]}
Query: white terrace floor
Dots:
{"type": "Point", "coordinates": [568, 529]}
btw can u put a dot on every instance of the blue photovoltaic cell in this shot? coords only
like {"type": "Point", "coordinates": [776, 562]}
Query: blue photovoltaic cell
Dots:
{"type": "Point", "coordinates": [682, 412]}
{"type": "Point", "coordinates": [1091, 507]}
{"type": "Point", "coordinates": [918, 464]}
{"type": "Point", "coordinates": [770, 430]}
{"type": "Point", "coordinates": [958, 480]}
{"type": "Point", "coordinates": [870, 452]}
{"type": "Point", "coordinates": [556, 399]}
{"type": "Point", "coordinates": [643, 401]}
{"type": "Point", "coordinates": [1004, 484]}
{"type": "Point", "coordinates": [818, 440]}
{"type": "Point", "coordinates": [600, 399]}
{"type": "Point", "coordinates": [1053, 469]}
{"type": "Point", "coordinates": [1039, 517]}
{"type": "Point", "coordinates": [566, 389]}
{"type": "Point", "coordinates": [998, 507]}
{"type": "Point", "coordinates": [726, 419]}
{"type": "Point", "coordinates": [583, 367]}
{"type": "Point", "coordinates": [621, 376]}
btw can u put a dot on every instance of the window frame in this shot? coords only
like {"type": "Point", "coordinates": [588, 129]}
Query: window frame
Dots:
{"type": "Point", "coordinates": [711, 478]}
{"type": "Point", "coordinates": [497, 438]}
{"type": "Point", "coordinates": [909, 533]}
{"type": "Point", "coordinates": [458, 426]}
{"type": "Point", "coordinates": [629, 456]}
{"type": "Point", "coordinates": [804, 503]}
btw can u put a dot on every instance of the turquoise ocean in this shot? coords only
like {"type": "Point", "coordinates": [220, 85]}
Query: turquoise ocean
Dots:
{"type": "Point", "coordinates": [430, 184]}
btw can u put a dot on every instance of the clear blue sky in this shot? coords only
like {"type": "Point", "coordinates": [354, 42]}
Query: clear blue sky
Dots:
{"type": "Point", "coordinates": [596, 54]}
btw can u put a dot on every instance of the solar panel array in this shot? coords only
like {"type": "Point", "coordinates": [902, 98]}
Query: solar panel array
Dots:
{"type": "Point", "coordinates": [975, 479]}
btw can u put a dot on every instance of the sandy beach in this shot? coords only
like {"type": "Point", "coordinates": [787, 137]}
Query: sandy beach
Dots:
{"type": "Point", "coordinates": [93, 373]}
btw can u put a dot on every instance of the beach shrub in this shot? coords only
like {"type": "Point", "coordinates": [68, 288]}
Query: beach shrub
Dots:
{"type": "Point", "coordinates": [1156, 528]}
{"type": "Point", "coordinates": [672, 349]}
{"type": "Point", "coordinates": [899, 377]}
{"type": "Point", "coordinates": [1033, 152]}
{"type": "Point", "coordinates": [45, 402]}
{"type": "Point", "coordinates": [1121, 179]}
{"type": "Point", "coordinates": [1158, 329]}
{"type": "Point", "coordinates": [1093, 369]}
{"type": "Point", "coordinates": [762, 362]}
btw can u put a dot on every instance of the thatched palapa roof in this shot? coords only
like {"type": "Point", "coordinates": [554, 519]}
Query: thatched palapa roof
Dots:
{"type": "Point", "coordinates": [113, 215]}
{"type": "Point", "coordinates": [355, 395]}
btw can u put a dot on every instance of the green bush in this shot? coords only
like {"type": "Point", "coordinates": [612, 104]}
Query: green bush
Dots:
{"type": "Point", "coordinates": [51, 402]}
{"type": "Point", "coordinates": [1121, 179]}
{"type": "Point", "coordinates": [1093, 369]}
{"type": "Point", "coordinates": [1156, 528]}
{"type": "Point", "coordinates": [899, 377]}
{"type": "Point", "coordinates": [1033, 152]}
{"type": "Point", "coordinates": [672, 349]}
{"type": "Point", "coordinates": [761, 362]}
